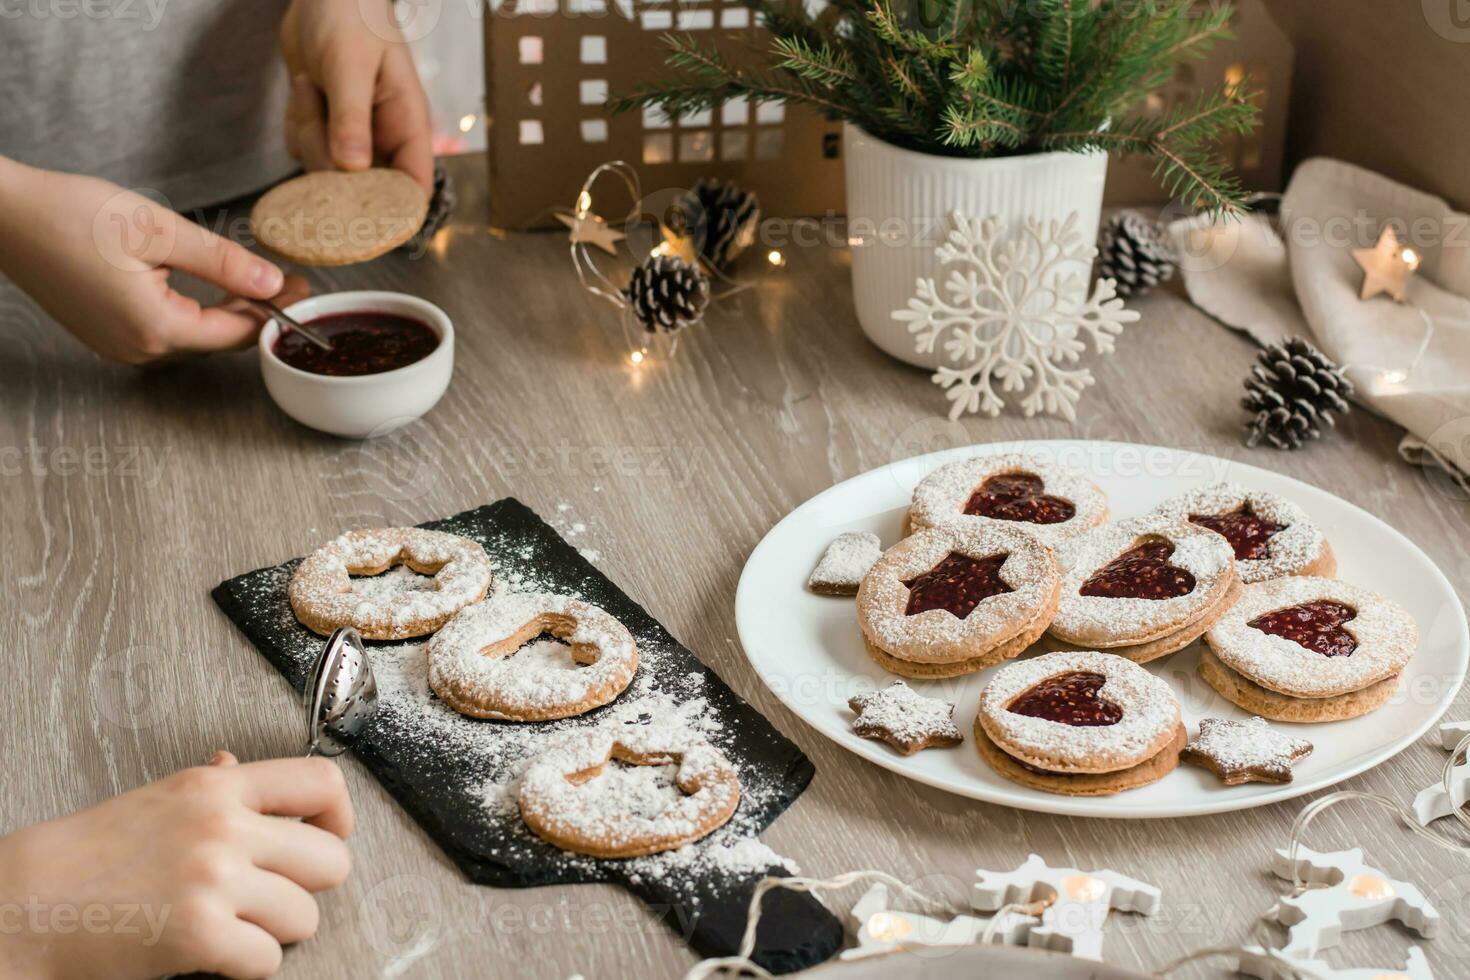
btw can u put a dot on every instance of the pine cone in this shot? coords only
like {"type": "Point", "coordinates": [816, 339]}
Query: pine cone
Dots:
{"type": "Point", "coordinates": [1132, 251]}
{"type": "Point", "coordinates": [1293, 391]}
{"type": "Point", "coordinates": [667, 293]}
{"type": "Point", "coordinates": [719, 218]}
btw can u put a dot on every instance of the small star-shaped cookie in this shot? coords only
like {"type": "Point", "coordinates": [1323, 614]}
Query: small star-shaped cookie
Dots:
{"type": "Point", "coordinates": [1247, 751]}
{"type": "Point", "coordinates": [846, 561]}
{"type": "Point", "coordinates": [905, 719]}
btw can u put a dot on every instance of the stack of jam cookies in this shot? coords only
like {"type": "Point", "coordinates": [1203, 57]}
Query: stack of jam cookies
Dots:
{"type": "Point", "coordinates": [573, 795]}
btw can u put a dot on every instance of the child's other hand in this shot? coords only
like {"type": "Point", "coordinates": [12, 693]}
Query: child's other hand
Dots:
{"type": "Point", "coordinates": [355, 93]}
{"type": "Point", "coordinates": [98, 259]}
{"type": "Point", "coordinates": [204, 870]}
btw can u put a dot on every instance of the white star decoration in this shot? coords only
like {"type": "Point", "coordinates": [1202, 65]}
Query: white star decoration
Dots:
{"type": "Point", "coordinates": [1353, 896]}
{"type": "Point", "coordinates": [1013, 314]}
{"type": "Point", "coordinates": [588, 228]}
{"type": "Point", "coordinates": [1453, 733]}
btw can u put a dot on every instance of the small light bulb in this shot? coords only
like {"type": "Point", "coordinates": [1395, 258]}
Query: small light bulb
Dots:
{"type": "Point", "coordinates": [887, 927]}
{"type": "Point", "coordinates": [1371, 887]}
{"type": "Point", "coordinates": [1084, 888]}
{"type": "Point", "coordinates": [584, 202]}
{"type": "Point", "coordinates": [636, 357]}
{"type": "Point", "coordinates": [1395, 377]}
{"type": "Point", "coordinates": [467, 122]}
{"type": "Point", "coordinates": [1410, 257]}
{"type": "Point", "coordinates": [775, 257]}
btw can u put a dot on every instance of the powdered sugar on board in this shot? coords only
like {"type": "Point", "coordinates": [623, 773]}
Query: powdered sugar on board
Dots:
{"type": "Point", "coordinates": [457, 775]}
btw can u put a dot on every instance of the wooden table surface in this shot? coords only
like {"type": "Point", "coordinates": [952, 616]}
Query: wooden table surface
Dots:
{"type": "Point", "coordinates": [128, 495]}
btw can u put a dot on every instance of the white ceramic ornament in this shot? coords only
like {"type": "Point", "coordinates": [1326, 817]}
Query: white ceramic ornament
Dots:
{"type": "Point", "coordinates": [1433, 803]}
{"type": "Point", "coordinates": [1079, 902]}
{"type": "Point", "coordinates": [1353, 896]}
{"type": "Point", "coordinates": [1453, 733]}
{"type": "Point", "coordinates": [1014, 310]}
{"type": "Point", "coordinates": [881, 929]}
{"type": "Point", "coordinates": [1266, 965]}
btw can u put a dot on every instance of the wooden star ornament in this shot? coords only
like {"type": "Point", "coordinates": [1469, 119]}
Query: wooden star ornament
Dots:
{"type": "Point", "coordinates": [588, 229]}
{"type": "Point", "coordinates": [1387, 266]}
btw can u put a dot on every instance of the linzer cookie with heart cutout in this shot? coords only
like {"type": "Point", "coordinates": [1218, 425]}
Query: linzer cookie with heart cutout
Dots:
{"type": "Point", "coordinates": [1079, 723]}
{"type": "Point", "coordinates": [1014, 489]}
{"type": "Point", "coordinates": [1143, 588]}
{"type": "Point", "coordinates": [955, 599]}
{"type": "Point", "coordinates": [1272, 537]}
{"type": "Point", "coordinates": [1309, 649]}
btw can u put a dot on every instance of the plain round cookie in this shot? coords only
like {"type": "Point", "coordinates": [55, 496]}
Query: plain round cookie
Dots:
{"type": "Point", "coordinates": [1283, 707]}
{"type": "Point", "coordinates": [937, 636]}
{"type": "Point", "coordinates": [1386, 634]}
{"type": "Point", "coordinates": [1299, 548]}
{"type": "Point", "coordinates": [324, 598]}
{"type": "Point", "coordinates": [564, 802]}
{"type": "Point", "coordinates": [1093, 622]}
{"type": "Point", "coordinates": [940, 497]}
{"type": "Point", "coordinates": [1082, 784]}
{"type": "Point", "coordinates": [472, 667]}
{"type": "Point", "coordinates": [1150, 715]}
{"type": "Point", "coordinates": [335, 217]}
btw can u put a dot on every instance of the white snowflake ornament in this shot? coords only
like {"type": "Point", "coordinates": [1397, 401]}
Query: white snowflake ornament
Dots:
{"type": "Point", "coordinates": [1079, 902]}
{"type": "Point", "coordinates": [1352, 896]}
{"type": "Point", "coordinates": [1013, 313]}
{"type": "Point", "coordinates": [1433, 803]}
{"type": "Point", "coordinates": [1276, 965]}
{"type": "Point", "coordinates": [1451, 734]}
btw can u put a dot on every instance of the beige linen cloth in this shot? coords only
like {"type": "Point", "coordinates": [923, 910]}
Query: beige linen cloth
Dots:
{"type": "Point", "coordinates": [1409, 362]}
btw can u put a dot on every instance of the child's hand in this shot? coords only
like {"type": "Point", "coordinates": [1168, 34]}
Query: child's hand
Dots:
{"type": "Point", "coordinates": [375, 108]}
{"type": "Point", "coordinates": [203, 870]}
{"type": "Point", "coordinates": [98, 259]}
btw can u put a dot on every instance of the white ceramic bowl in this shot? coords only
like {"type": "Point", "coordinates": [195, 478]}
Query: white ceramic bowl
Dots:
{"type": "Point", "coordinates": [366, 405]}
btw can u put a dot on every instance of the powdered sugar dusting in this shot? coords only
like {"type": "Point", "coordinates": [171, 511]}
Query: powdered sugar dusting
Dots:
{"type": "Point", "coordinates": [1150, 714]}
{"type": "Point", "coordinates": [1387, 637]}
{"type": "Point", "coordinates": [472, 662]}
{"type": "Point", "coordinates": [937, 635]}
{"type": "Point", "coordinates": [326, 595]}
{"type": "Point", "coordinates": [941, 496]}
{"type": "Point", "coordinates": [1288, 552]}
{"type": "Point", "coordinates": [846, 560]}
{"type": "Point", "coordinates": [1241, 750]}
{"type": "Point", "coordinates": [1108, 621]}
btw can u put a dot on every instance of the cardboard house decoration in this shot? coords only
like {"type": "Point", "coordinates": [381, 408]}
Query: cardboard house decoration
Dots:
{"type": "Point", "coordinates": [550, 65]}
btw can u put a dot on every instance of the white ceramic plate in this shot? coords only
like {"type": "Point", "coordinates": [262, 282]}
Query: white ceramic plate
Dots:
{"type": "Point", "coordinates": [808, 650]}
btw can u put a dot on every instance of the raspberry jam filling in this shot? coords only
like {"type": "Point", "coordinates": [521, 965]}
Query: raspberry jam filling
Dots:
{"type": "Point", "coordinates": [1018, 497]}
{"type": "Point", "coordinates": [1141, 572]}
{"type": "Point", "coordinates": [1248, 534]}
{"type": "Point", "coordinates": [1315, 625]}
{"type": "Point", "coordinates": [957, 585]}
{"type": "Point", "coordinates": [1070, 699]}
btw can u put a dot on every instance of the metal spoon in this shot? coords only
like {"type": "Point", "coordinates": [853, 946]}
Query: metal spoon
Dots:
{"type": "Point", "coordinates": [266, 306]}
{"type": "Point", "coordinates": [341, 694]}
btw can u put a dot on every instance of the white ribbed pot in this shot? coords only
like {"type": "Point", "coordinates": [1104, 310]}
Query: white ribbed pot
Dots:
{"type": "Point", "coordinates": [898, 207]}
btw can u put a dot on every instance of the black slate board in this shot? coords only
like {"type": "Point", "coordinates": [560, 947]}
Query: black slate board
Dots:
{"type": "Point", "coordinates": [443, 768]}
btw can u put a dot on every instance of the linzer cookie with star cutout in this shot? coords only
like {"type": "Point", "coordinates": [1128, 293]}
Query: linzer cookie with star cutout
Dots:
{"type": "Point", "coordinates": [1013, 490]}
{"type": "Point", "coordinates": [956, 599]}
{"type": "Point", "coordinates": [1309, 649]}
{"type": "Point", "coordinates": [1143, 588]}
{"type": "Point", "coordinates": [1079, 723]}
{"type": "Point", "coordinates": [1272, 536]}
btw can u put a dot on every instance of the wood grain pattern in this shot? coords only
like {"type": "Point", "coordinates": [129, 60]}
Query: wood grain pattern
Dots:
{"type": "Point", "coordinates": [127, 496]}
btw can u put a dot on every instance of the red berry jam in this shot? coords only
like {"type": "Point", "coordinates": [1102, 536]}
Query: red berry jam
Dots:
{"type": "Point", "coordinates": [1018, 497]}
{"type": "Point", "coordinates": [1070, 699]}
{"type": "Point", "coordinates": [1248, 534]}
{"type": "Point", "coordinates": [362, 343]}
{"type": "Point", "coordinates": [957, 585]}
{"type": "Point", "coordinates": [1141, 572]}
{"type": "Point", "coordinates": [1315, 625]}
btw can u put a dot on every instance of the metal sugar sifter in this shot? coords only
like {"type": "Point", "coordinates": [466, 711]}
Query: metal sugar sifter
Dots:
{"type": "Point", "coordinates": [341, 694]}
